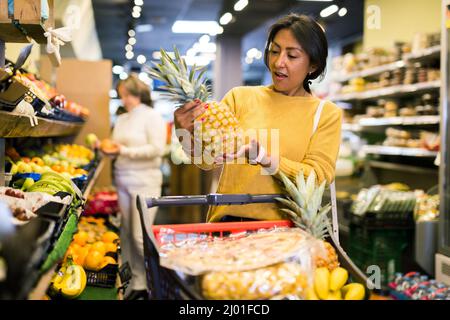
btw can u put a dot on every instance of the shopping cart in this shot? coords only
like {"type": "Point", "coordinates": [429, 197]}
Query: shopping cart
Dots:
{"type": "Point", "coordinates": [164, 283]}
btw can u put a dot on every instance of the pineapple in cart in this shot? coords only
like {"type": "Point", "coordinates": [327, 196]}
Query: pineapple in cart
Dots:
{"type": "Point", "coordinates": [302, 205]}
{"type": "Point", "coordinates": [216, 130]}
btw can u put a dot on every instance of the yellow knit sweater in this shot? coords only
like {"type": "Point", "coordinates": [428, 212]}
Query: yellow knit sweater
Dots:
{"type": "Point", "coordinates": [262, 108]}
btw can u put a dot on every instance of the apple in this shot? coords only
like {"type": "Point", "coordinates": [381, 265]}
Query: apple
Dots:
{"type": "Point", "coordinates": [92, 140]}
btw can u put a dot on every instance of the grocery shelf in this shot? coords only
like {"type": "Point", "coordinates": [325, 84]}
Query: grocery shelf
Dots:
{"type": "Point", "coordinates": [407, 57]}
{"type": "Point", "coordinates": [372, 71]}
{"type": "Point", "coordinates": [353, 127]}
{"type": "Point", "coordinates": [401, 167]}
{"type": "Point", "coordinates": [414, 120]}
{"type": "Point", "coordinates": [430, 52]}
{"type": "Point", "coordinates": [16, 126]}
{"type": "Point", "coordinates": [393, 91]}
{"type": "Point", "coordinates": [398, 151]}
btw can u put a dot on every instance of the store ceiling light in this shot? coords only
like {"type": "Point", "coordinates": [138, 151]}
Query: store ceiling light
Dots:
{"type": "Point", "coordinates": [131, 33]}
{"type": "Point", "coordinates": [143, 76]}
{"type": "Point", "coordinates": [258, 55]}
{"type": "Point", "coordinates": [137, 9]}
{"type": "Point", "coordinates": [117, 69]}
{"type": "Point", "coordinates": [141, 59]}
{"type": "Point", "coordinates": [342, 12]}
{"type": "Point", "coordinates": [328, 11]}
{"type": "Point", "coordinates": [129, 55]}
{"type": "Point", "coordinates": [204, 39]}
{"type": "Point", "coordinates": [157, 55]}
{"type": "Point", "coordinates": [190, 26]}
{"type": "Point", "coordinates": [144, 28]}
{"type": "Point", "coordinates": [241, 4]}
{"type": "Point", "coordinates": [123, 76]}
{"type": "Point", "coordinates": [248, 60]}
{"type": "Point", "coordinates": [136, 14]}
{"type": "Point", "coordinates": [128, 47]}
{"type": "Point", "coordinates": [252, 53]}
{"type": "Point", "coordinates": [225, 18]}
{"type": "Point", "coordinates": [132, 41]}
{"type": "Point", "coordinates": [198, 60]}
{"type": "Point", "coordinates": [191, 52]}
{"type": "Point", "coordinates": [139, 2]}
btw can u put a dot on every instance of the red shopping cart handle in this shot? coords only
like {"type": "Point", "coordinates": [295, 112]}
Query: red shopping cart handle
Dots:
{"type": "Point", "coordinates": [212, 199]}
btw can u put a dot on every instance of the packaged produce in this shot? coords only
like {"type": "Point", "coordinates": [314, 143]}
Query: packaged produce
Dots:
{"type": "Point", "coordinates": [416, 286]}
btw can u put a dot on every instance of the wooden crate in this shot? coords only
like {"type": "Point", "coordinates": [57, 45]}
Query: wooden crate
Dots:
{"type": "Point", "coordinates": [28, 14]}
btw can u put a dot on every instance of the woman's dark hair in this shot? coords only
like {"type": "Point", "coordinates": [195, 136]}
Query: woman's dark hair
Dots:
{"type": "Point", "coordinates": [311, 37]}
{"type": "Point", "coordinates": [136, 88]}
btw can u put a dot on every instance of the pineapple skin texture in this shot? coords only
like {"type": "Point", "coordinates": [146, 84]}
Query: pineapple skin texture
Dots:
{"type": "Point", "coordinates": [285, 278]}
{"type": "Point", "coordinates": [217, 129]}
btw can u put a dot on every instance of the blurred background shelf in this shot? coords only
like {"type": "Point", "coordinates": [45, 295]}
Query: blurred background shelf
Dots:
{"type": "Point", "coordinates": [392, 92]}
{"type": "Point", "coordinates": [16, 126]}
{"type": "Point", "coordinates": [398, 151]}
{"type": "Point", "coordinates": [396, 121]}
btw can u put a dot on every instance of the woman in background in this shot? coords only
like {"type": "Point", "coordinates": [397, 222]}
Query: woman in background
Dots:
{"type": "Point", "coordinates": [140, 138]}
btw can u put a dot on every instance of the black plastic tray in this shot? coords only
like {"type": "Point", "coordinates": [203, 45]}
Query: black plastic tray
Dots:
{"type": "Point", "coordinates": [24, 252]}
{"type": "Point", "coordinates": [105, 277]}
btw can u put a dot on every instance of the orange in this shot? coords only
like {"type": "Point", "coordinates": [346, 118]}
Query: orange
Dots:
{"type": "Point", "coordinates": [81, 256]}
{"type": "Point", "coordinates": [107, 260]}
{"type": "Point", "coordinates": [80, 238]}
{"type": "Point", "coordinates": [93, 260]}
{"type": "Point", "coordinates": [75, 246]}
{"type": "Point", "coordinates": [110, 247]}
{"type": "Point", "coordinates": [69, 253]}
{"type": "Point", "coordinates": [109, 236]}
{"type": "Point", "coordinates": [99, 246]}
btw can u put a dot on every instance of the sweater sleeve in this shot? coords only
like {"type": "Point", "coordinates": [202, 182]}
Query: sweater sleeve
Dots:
{"type": "Point", "coordinates": [156, 141]}
{"type": "Point", "coordinates": [229, 100]}
{"type": "Point", "coordinates": [322, 151]}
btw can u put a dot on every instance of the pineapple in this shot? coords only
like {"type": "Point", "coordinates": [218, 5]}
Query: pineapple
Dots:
{"type": "Point", "coordinates": [303, 208]}
{"type": "Point", "coordinates": [216, 128]}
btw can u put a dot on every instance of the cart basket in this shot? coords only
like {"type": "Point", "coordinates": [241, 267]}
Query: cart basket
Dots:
{"type": "Point", "coordinates": [164, 283]}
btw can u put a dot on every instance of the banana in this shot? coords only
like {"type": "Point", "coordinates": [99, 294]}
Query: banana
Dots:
{"type": "Point", "coordinates": [338, 278]}
{"type": "Point", "coordinates": [353, 291]}
{"type": "Point", "coordinates": [311, 294]}
{"type": "Point", "coordinates": [322, 282]}
{"type": "Point", "coordinates": [335, 295]}
{"type": "Point", "coordinates": [54, 175]}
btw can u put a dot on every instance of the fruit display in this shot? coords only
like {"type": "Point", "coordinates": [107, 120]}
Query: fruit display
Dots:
{"type": "Point", "coordinates": [49, 95]}
{"type": "Point", "coordinates": [69, 281]}
{"type": "Point", "coordinates": [105, 202]}
{"type": "Point", "coordinates": [416, 286]}
{"type": "Point", "coordinates": [427, 207]}
{"type": "Point", "coordinates": [92, 243]}
{"type": "Point", "coordinates": [68, 160]}
{"type": "Point", "coordinates": [217, 127]}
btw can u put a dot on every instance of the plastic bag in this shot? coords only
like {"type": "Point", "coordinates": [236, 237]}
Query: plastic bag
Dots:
{"type": "Point", "coordinates": [258, 265]}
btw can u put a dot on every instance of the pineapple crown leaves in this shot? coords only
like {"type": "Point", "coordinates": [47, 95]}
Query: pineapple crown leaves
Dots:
{"type": "Point", "coordinates": [182, 85]}
{"type": "Point", "coordinates": [303, 204]}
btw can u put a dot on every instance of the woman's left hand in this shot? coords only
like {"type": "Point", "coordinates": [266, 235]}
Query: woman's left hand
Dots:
{"type": "Point", "coordinates": [251, 151]}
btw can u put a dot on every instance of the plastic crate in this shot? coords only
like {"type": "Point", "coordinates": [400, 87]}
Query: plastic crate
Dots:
{"type": "Point", "coordinates": [105, 277]}
{"type": "Point", "coordinates": [383, 248]}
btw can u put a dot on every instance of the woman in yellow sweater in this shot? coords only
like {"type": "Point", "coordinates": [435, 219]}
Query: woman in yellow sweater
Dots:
{"type": "Point", "coordinates": [295, 54]}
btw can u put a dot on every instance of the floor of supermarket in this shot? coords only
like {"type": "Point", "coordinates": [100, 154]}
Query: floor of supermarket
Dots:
{"type": "Point", "coordinates": [224, 150]}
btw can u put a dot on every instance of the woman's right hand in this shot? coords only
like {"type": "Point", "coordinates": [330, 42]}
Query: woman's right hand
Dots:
{"type": "Point", "coordinates": [184, 116]}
